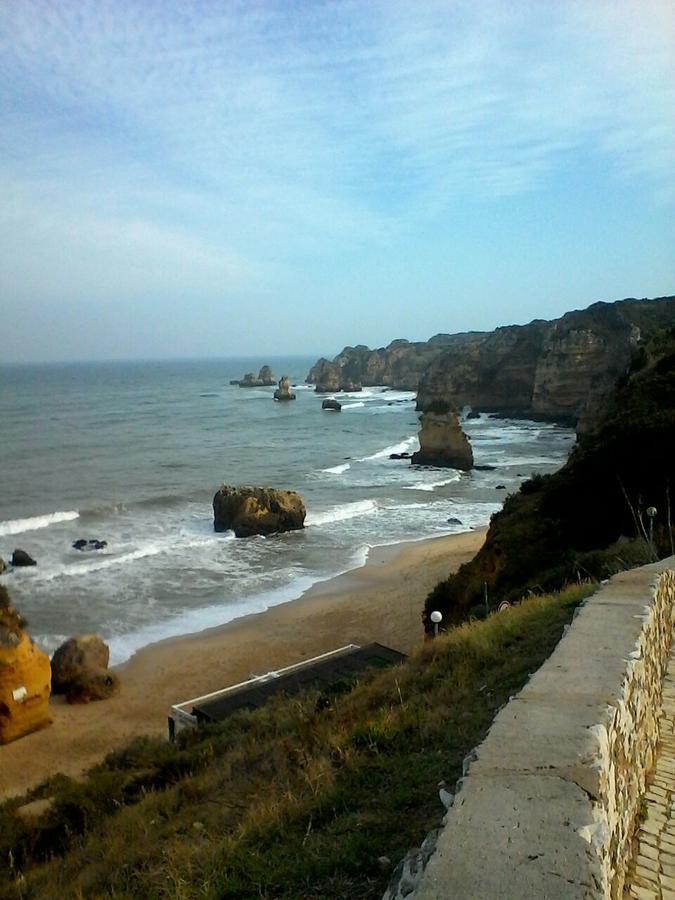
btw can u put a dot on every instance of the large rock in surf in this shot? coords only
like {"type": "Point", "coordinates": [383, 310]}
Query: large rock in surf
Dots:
{"type": "Point", "coordinates": [25, 677]}
{"type": "Point", "coordinates": [249, 510]}
{"type": "Point", "coordinates": [265, 376]}
{"type": "Point", "coordinates": [265, 379]}
{"type": "Point", "coordinates": [80, 670]}
{"type": "Point", "coordinates": [21, 558]}
{"type": "Point", "coordinates": [331, 403]}
{"type": "Point", "coordinates": [442, 442]}
{"type": "Point", "coordinates": [326, 376]}
{"type": "Point", "coordinates": [284, 392]}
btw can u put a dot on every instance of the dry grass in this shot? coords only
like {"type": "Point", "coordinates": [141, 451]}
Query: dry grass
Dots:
{"type": "Point", "coordinates": [291, 801]}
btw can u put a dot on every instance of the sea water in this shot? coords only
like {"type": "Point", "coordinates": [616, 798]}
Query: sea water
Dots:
{"type": "Point", "coordinates": [133, 452]}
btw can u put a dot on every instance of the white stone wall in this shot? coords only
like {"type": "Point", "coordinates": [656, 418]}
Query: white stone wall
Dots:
{"type": "Point", "coordinates": [550, 800]}
{"type": "Point", "coordinates": [628, 736]}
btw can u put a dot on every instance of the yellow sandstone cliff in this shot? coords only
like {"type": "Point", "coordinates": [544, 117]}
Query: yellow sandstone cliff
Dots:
{"type": "Point", "coordinates": [25, 679]}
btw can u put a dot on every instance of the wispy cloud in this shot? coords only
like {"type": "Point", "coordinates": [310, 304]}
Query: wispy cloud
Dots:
{"type": "Point", "coordinates": [236, 136]}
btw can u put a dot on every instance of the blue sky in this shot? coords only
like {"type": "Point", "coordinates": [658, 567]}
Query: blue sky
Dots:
{"type": "Point", "coordinates": [214, 178]}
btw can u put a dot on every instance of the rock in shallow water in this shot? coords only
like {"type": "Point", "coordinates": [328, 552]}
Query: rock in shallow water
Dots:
{"type": "Point", "coordinates": [283, 391]}
{"type": "Point", "coordinates": [443, 443]}
{"type": "Point", "coordinates": [249, 510]}
{"type": "Point", "coordinates": [21, 558]}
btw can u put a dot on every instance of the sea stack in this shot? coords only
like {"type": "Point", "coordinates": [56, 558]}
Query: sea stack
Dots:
{"type": "Point", "coordinates": [442, 442]}
{"type": "Point", "coordinates": [249, 510]}
{"type": "Point", "coordinates": [283, 391]}
{"type": "Point", "coordinates": [25, 677]}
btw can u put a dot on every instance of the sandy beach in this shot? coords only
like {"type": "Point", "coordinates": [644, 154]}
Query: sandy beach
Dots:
{"type": "Point", "coordinates": [381, 601]}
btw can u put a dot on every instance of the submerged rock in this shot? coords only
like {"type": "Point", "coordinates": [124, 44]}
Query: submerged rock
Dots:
{"type": "Point", "coordinates": [443, 443]}
{"type": "Point", "coordinates": [80, 670]}
{"type": "Point", "coordinates": [283, 391]}
{"type": "Point", "coordinates": [21, 558]}
{"type": "Point", "coordinates": [250, 510]}
{"type": "Point", "coordinates": [331, 403]}
{"type": "Point", "coordinates": [91, 544]}
{"type": "Point", "coordinates": [25, 677]}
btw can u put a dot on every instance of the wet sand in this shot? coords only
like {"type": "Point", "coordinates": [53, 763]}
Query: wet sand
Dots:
{"type": "Point", "coordinates": [381, 601]}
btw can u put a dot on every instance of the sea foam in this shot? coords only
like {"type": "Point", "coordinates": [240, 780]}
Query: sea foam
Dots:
{"type": "Point", "coordinates": [342, 512]}
{"type": "Point", "coordinates": [401, 447]}
{"type": "Point", "coordinates": [18, 526]}
{"type": "Point", "coordinates": [337, 470]}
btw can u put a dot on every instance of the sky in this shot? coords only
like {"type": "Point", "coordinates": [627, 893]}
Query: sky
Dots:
{"type": "Point", "coordinates": [246, 177]}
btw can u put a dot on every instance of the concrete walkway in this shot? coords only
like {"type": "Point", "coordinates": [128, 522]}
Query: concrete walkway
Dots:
{"type": "Point", "coordinates": [652, 874]}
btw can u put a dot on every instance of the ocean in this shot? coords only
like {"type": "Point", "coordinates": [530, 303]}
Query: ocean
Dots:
{"type": "Point", "coordinates": [133, 452]}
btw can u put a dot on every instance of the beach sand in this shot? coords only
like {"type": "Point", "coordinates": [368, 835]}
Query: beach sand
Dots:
{"type": "Point", "coordinates": [381, 601]}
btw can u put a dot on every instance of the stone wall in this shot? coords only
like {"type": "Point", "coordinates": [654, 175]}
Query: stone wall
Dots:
{"type": "Point", "coordinates": [549, 802]}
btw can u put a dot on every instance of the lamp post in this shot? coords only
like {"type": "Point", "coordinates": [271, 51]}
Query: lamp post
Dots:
{"type": "Point", "coordinates": [651, 512]}
{"type": "Point", "coordinates": [436, 617]}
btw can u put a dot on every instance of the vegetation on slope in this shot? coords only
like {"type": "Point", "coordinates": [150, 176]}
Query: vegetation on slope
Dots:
{"type": "Point", "coordinates": [588, 518]}
{"type": "Point", "coordinates": [300, 799]}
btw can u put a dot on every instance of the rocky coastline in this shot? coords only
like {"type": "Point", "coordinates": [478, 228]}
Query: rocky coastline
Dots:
{"type": "Point", "coordinates": [563, 370]}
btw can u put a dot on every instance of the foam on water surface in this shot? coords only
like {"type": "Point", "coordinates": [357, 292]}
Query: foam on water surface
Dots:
{"type": "Point", "coordinates": [140, 449]}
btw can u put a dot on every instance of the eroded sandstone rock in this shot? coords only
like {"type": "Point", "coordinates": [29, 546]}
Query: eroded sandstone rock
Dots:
{"type": "Point", "coordinates": [249, 510]}
{"type": "Point", "coordinates": [24, 677]}
{"type": "Point", "coordinates": [442, 442]}
{"type": "Point", "coordinates": [283, 391]}
{"type": "Point", "coordinates": [80, 670]}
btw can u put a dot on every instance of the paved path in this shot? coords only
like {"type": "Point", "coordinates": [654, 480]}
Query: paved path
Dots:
{"type": "Point", "coordinates": [652, 875]}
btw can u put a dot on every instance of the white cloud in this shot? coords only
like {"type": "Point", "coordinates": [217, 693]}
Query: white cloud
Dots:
{"type": "Point", "coordinates": [177, 144]}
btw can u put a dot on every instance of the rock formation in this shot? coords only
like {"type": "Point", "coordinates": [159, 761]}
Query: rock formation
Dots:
{"type": "Point", "coordinates": [326, 376]}
{"type": "Point", "coordinates": [399, 365]}
{"type": "Point", "coordinates": [249, 510]}
{"type": "Point", "coordinates": [265, 379]}
{"type": "Point", "coordinates": [588, 518]}
{"type": "Point", "coordinates": [442, 442]}
{"type": "Point", "coordinates": [563, 371]}
{"type": "Point", "coordinates": [331, 403]}
{"type": "Point", "coordinates": [80, 670]}
{"type": "Point", "coordinates": [24, 677]}
{"type": "Point", "coordinates": [21, 558]}
{"type": "Point", "coordinates": [283, 391]}
{"type": "Point", "coordinates": [265, 375]}
{"type": "Point", "coordinates": [91, 544]}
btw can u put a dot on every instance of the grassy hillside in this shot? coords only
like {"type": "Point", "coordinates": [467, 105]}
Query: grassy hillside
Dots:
{"type": "Point", "coordinates": [589, 518]}
{"type": "Point", "coordinates": [302, 799]}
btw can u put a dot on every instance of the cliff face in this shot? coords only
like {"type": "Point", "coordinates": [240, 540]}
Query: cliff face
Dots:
{"type": "Point", "coordinates": [493, 372]}
{"type": "Point", "coordinates": [564, 370]}
{"type": "Point", "coordinates": [589, 518]}
{"type": "Point", "coordinates": [400, 365]}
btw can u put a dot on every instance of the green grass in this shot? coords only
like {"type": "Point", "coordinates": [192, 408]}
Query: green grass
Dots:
{"type": "Point", "coordinates": [291, 801]}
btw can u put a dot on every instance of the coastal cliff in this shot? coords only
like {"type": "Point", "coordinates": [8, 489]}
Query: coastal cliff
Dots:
{"type": "Point", "coordinates": [589, 518]}
{"type": "Point", "coordinates": [564, 370]}
{"type": "Point", "coordinates": [399, 365]}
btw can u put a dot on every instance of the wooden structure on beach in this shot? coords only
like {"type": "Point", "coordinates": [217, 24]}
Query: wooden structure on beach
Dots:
{"type": "Point", "coordinates": [330, 672]}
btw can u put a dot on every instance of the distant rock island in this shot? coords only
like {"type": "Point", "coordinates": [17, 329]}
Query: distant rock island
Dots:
{"type": "Point", "coordinates": [265, 379]}
{"type": "Point", "coordinates": [563, 370]}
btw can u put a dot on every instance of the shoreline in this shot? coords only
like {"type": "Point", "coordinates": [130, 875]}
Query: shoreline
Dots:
{"type": "Point", "coordinates": [378, 601]}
